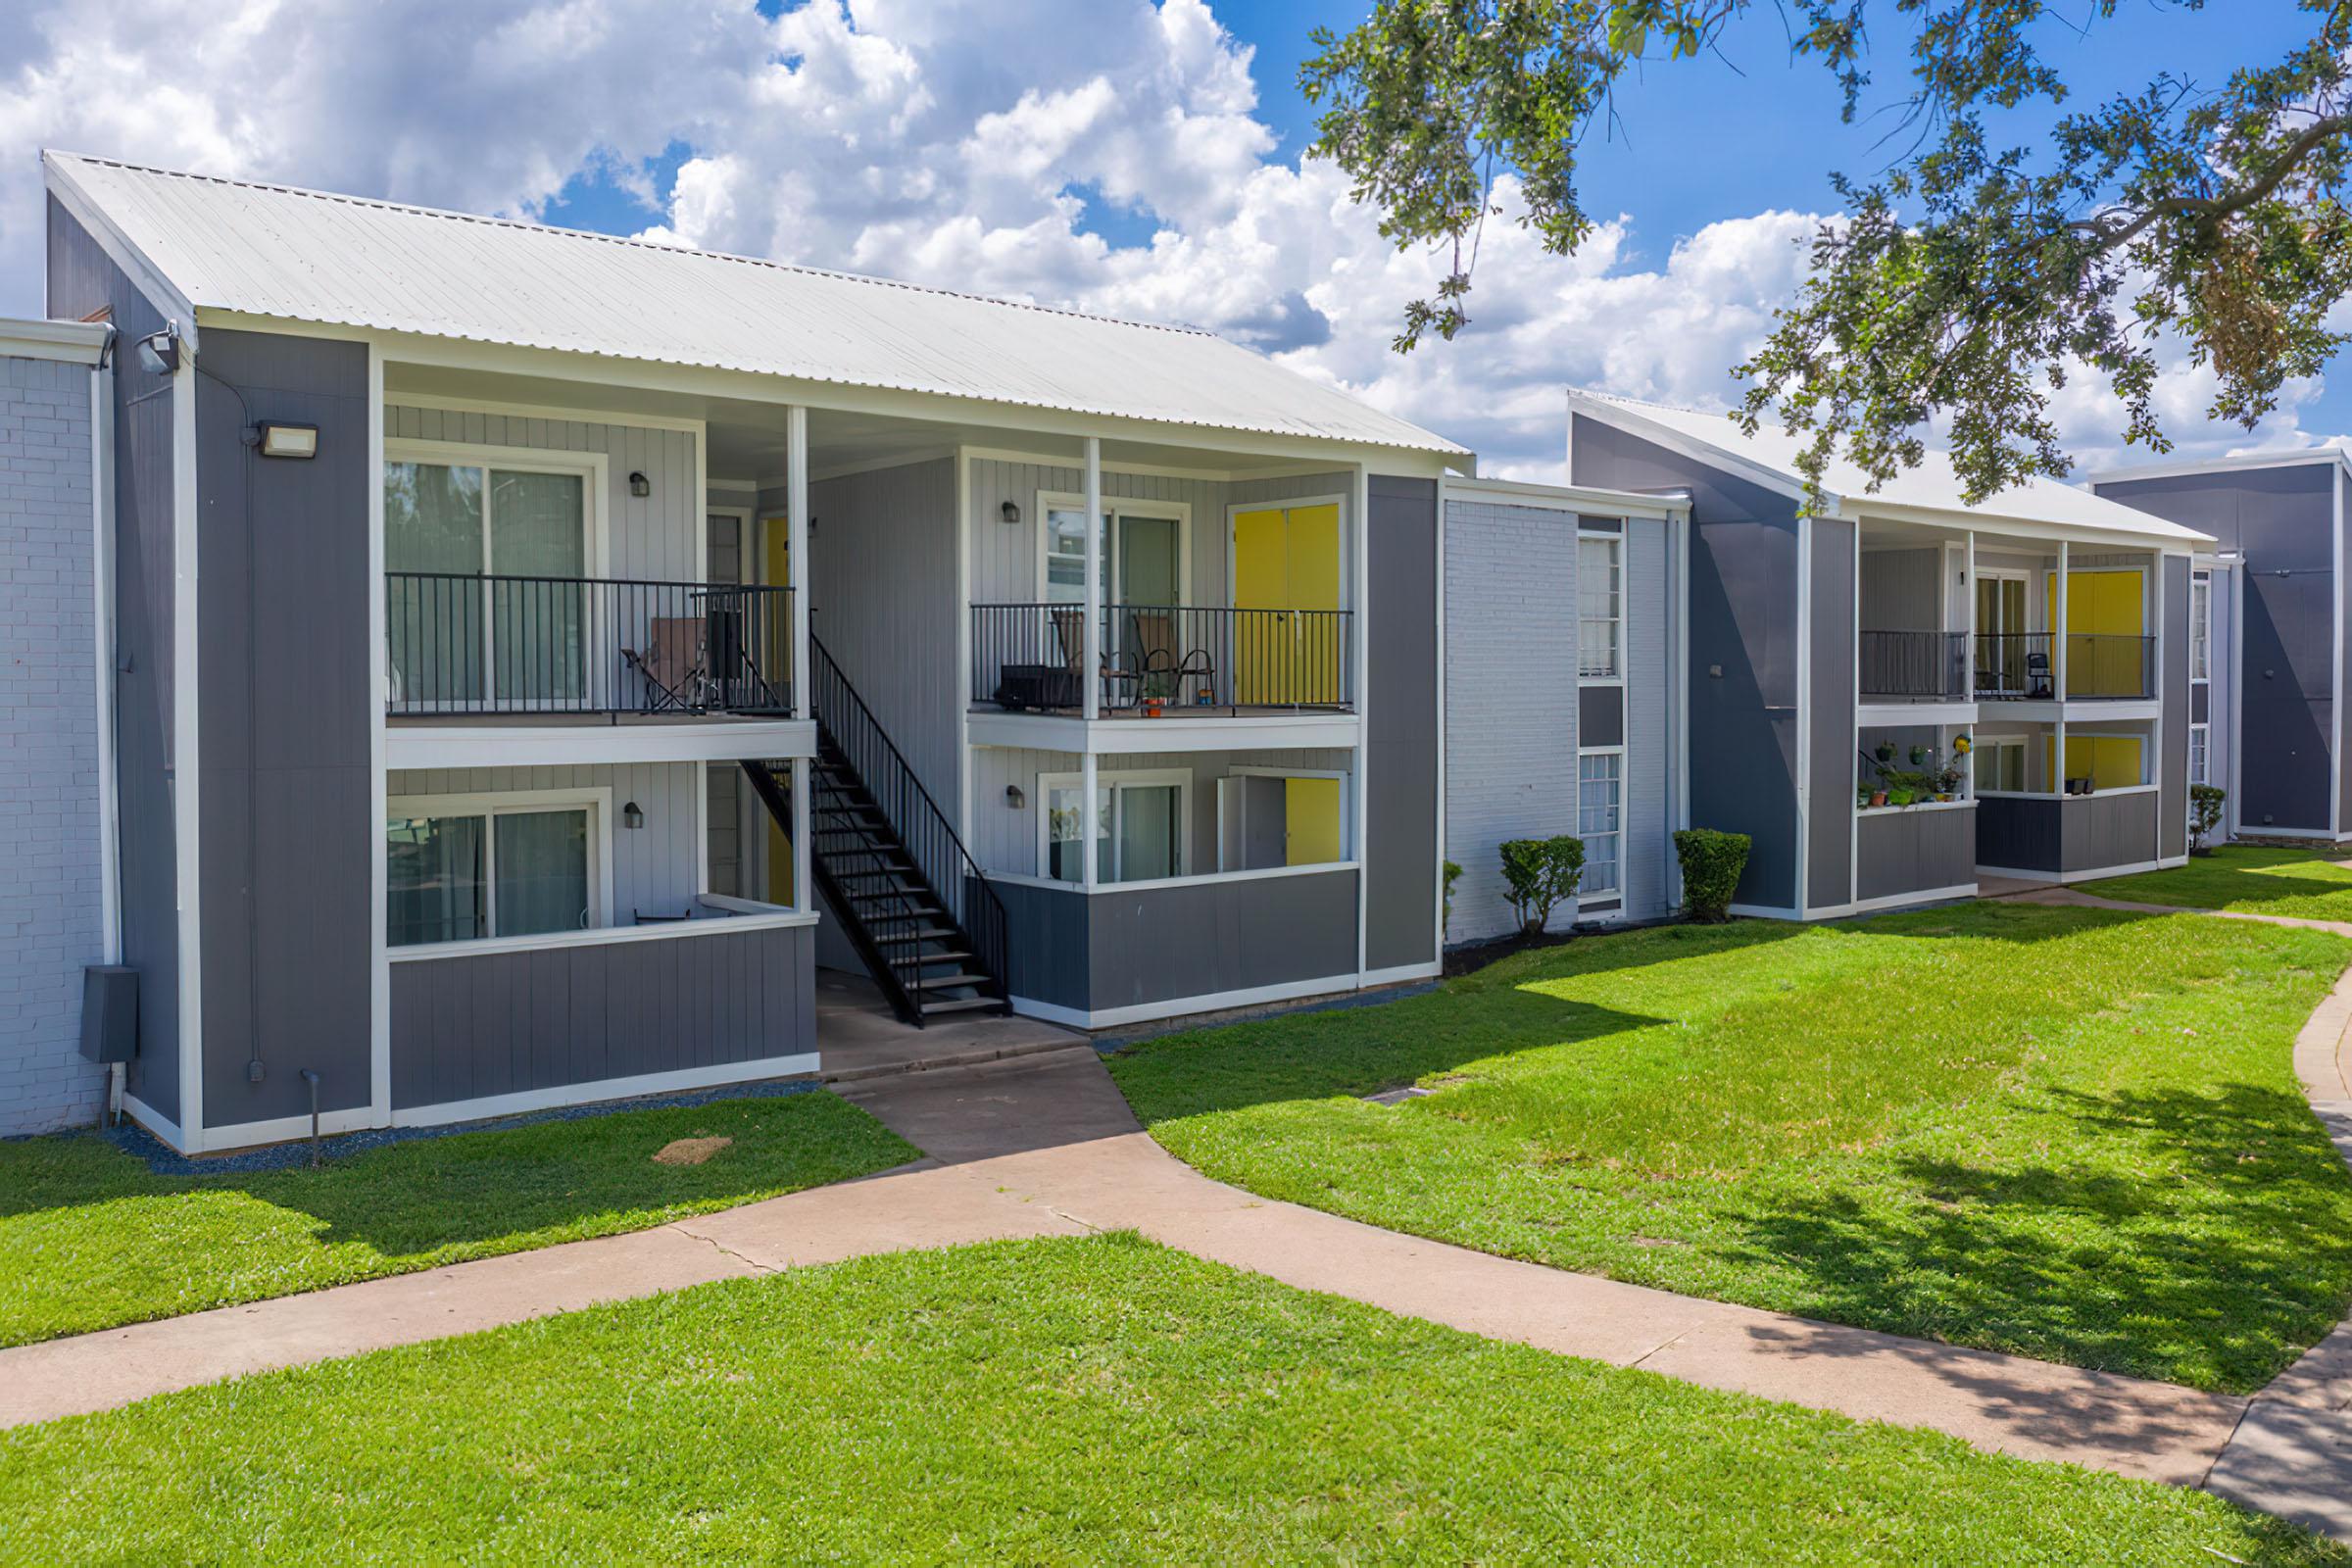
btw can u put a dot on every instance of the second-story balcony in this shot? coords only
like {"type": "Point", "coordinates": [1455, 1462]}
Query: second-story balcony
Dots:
{"type": "Point", "coordinates": [1916, 666]}
{"type": "Point", "coordinates": [1155, 659]}
{"type": "Point", "coordinates": [2023, 666]}
{"type": "Point", "coordinates": [463, 643]}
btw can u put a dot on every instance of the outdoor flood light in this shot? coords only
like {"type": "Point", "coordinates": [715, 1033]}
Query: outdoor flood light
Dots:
{"type": "Point", "coordinates": [631, 817]}
{"type": "Point", "coordinates": [159, 351]}
{"type": "Point", "coordinates": [289, 440]}
{"type": "Point", "coordinates": [640, 485]}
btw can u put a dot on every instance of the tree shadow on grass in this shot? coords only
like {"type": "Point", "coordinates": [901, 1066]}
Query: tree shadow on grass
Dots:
{"type": "Point", "coordinates": [592, 1175]}
{"type": "Point", "coordinates": [2224, 1252]}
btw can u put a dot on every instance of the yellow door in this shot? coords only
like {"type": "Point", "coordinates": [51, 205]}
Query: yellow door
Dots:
{"type": "Point", "coordinates": [1311, 811]}
{"type": "Point", "coordinates": [776, 572]}
{"type": "Point", "coordinates": [2100, 605]}
{"type": "Point", "coordinates": [1286, 560]}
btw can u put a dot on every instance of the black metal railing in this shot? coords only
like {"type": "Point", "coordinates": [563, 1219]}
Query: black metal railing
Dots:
{"type": "Point", "coordinates": [1921, 665]}
{"type": "Point", "coordinates": [2020, 665]}
{"type": "Point", "coordinates": [848, 729]}
{"type": "Point", "coordinates": [466, 643]}
{"type": "Point", "coordinates": [1186, 656]}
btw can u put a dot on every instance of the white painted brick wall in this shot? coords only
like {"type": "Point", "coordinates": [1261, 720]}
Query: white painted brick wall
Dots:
{"type": "Point", "coordinates": [1510, 697]}
{"type": "Point", "coordinates": [49, 895]}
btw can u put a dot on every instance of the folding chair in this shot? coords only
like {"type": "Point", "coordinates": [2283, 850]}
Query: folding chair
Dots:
{"type": "Point", "coordinates": [1069, 629]}
{"type": "Point", "coordinates": [673, 664]}
{"type": "Point", "coordinates": [1164, 671]}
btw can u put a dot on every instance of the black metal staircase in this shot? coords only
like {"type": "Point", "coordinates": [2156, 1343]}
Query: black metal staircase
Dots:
{"type": "Point", "coordinates": [904, 888]}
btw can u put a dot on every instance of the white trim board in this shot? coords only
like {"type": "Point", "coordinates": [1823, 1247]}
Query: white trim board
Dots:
{"type": "Point", "coordinates": [800, 1065]}
{"type": "Point", "coordinates": [394, 397]}
{"type": "Point", "coordinates": [1338, 985]}
{"type": "Point", "coordinates": [68, 342]}
{"type": "Point", "coordinates": [1175, 732]}
{"type": "Point", "coordinates": [609, 935]}
{"type": "Point", "coordinates": [1893, 900]}
{"type": "Point", "coordinates": [589, 742]}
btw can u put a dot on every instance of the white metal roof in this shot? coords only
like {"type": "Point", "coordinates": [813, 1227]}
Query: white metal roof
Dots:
{"type": "Point", "coordinates": [305, 255]}
{"type": "Point", "coordinates": [1769, 457]}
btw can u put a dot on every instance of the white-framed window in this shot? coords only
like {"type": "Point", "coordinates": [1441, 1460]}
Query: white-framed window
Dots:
{"type": "Point", "coordinates": [2199, 757]}
{"type": "Point", "coordinates": [1146, 558]}
{"type": "Point", "coordinates": [527, 519]}
{"type": "Point", "coordinates": [1599, 607]}
{"type": "Point", "coordinates": [2200, 625]}
{"type": "Point", "coordinates": [1600, 820]}
{"type": "Point", "coordinates": [525, 863]}
{"type": "Point", "coordinates": [1142, 827]}
{"type": "Point", "coordinates": [2000, 764]}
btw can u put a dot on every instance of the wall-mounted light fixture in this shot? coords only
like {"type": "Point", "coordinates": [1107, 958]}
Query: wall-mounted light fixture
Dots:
{"type": "Point", "coordinates": [159, 351]}
{"type": "Point", "coordinates": [640, 486]}
{"type": "Point", "coordinates": [287, 440]}
{"type": "Point", "coordinates": [631, 817]}
{"type": "Point", "coordinates": [1012, 791]}
{"type": "Point", "coordinates": [1010, 512]}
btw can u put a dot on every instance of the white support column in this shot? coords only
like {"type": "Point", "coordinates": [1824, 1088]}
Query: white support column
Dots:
{"type": "Point", "coordinates": [1359, 599]}
{"type": "Point", "coordinates": [1090, 657]}
{"type": "Point", "coordinates": [1086, 824]}
{"type": "Point", "coordinates": [796, 507]}
{"type": "Point", "coordinates": [804, 896]}
{"type": "Point", "coordinates": [2058, 672]}
{"type": "Point", "coordinates": [1967, 658]}
{"type": "Point", "coordinates": [380, 688]}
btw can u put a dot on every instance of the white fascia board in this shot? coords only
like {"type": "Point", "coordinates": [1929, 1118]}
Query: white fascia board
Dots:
{"type": "Point", "coordinates": [67, 342]}
{"type": "Point", "coordinates": [1580, 499]}
{"type": "Point", "coordinates": [1632, 423]}
{"type": "Point", "coordinates": [1998, 526]}
{"type": "Point", "coordinates": [410, 746]}
{"type": "Point", "coordinates": [2239, 463]}
{"type": "Point", "coordinates": [144, 275]}
{"type": "Point", "coordinates": [1048, 732]}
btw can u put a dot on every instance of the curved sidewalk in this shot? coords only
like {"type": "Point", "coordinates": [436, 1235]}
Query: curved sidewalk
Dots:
{"type": "Point", "coordinates": [1044, 1145]}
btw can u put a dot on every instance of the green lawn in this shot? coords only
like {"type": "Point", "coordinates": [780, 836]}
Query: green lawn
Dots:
{"type": "Point", "coordinates": [90, 1237]}
{"type": "Point", "coordinates": [2305, 884]}
{"type": "Point", "coordinates": [2065, 1133]}
{"type": "Point", "coordinates": [1089, 1399]}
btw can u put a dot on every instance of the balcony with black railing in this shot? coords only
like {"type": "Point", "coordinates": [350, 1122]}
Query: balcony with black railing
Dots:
{"type": "Point", "coordinates": [462, 645]}
{"type": "Point", "coordinates": [1917, 666]}
{"type": "Point", "coordinates": [1163, 659]}
{"type": "Point", "coordinates": [2023, 666]}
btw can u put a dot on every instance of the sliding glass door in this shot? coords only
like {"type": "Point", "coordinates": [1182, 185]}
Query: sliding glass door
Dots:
{"type": "Point", "coordinates": [486, 605]}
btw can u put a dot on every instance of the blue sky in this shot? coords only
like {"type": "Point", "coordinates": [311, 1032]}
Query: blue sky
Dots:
{"type": "Point", "coordinates": [1114, 155]}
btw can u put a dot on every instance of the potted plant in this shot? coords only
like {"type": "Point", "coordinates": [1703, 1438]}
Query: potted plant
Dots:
{"type": "Point", "coordinates": [1919, 754]}
{"type": "Point", "coordinates": [1885, 752]}
{"type": "Point", "coordinates": [1877, 797]}
{"type": "Point", "coordinates": [1898, 796]}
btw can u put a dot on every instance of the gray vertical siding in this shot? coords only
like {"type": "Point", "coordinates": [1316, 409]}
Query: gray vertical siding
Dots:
{"type": "Point", "coordinates": [2108, 830]}
{"type": "Point", "coordinates": [1914, 851]}
{"type": "Point", "coordinates": [2281, 521]}
{"type": "Point", "coordinates": [1511, 698]}
{"type": "Point", "coordinates": [1153, 946]}
{"type": "Point", "coordinates": [1401, 729]}
{"type": "Point", "coordinates": [1006, 559]}
{"type": "Point", "coordinates": [1643, 841]}
{"type": "Point", "coordinates": [655, 868]}
{"type": "Point", "coordinates": [2171, 776]}
{"type": "Point", "coordinates": [1830, 719]}
{"type": "Point", "coordinates": [882, 570]}
{"type": "Point", "coordinates": [1743, 647]}
{"type": "Point", "coordinates": [1902, 590]}
{"type": "Point", "coordinates": [502, 1023]}
{"type": "Point", "coordinates": [652, 537]}
{"type": "Point", "coordinates": [286, 813]}
{"type": "Point", "coordinates": [82, 281]}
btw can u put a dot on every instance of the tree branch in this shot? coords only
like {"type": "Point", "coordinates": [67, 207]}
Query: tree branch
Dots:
{"type": "Point", "coordinates": [2216, 207]}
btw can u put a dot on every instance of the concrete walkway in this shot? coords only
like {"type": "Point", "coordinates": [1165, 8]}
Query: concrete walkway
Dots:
{"type": "Point", "coordinates": [1044, 1145]}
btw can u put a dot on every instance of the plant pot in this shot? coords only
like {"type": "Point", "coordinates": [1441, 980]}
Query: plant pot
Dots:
{"type": "Point", "coordinates": [1899, 798]}
{"type": "Point", "coordinates": [1878, 798]}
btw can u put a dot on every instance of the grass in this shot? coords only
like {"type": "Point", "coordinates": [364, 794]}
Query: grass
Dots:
{"type": "Point", "coordinates": [2304, 884]}
{"type": "Point", "coordinates": [1094, 1399]}
{"type": "Point", "coordinates": [90, 1237]}
{"type": "Point", "coordinates": [2063, 1132]}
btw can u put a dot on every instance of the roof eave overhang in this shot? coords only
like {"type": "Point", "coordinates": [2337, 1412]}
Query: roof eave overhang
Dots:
{"type": "Point", "coordinates": [147, 277]}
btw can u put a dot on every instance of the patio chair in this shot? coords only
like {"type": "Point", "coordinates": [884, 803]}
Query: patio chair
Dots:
{"type": "Point", "coordinates": [1164, 671]}
{"type": "Point", "coordinates": [2039, 685]}
{"type": "Point", "coordinates": [1069, 629]}
{"type": "Point", "coordinates": [676, 674]}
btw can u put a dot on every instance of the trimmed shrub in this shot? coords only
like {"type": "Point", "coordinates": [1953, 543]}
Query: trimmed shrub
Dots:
{"type": "Point", "coordinates": [2204, 814]}
{"type": "Point", "coordinates": [1453, 874]}
{"type": "Point", "coordinates": [1711, 865]}
{"type": "Point", "coordinates": [1541, 873]}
